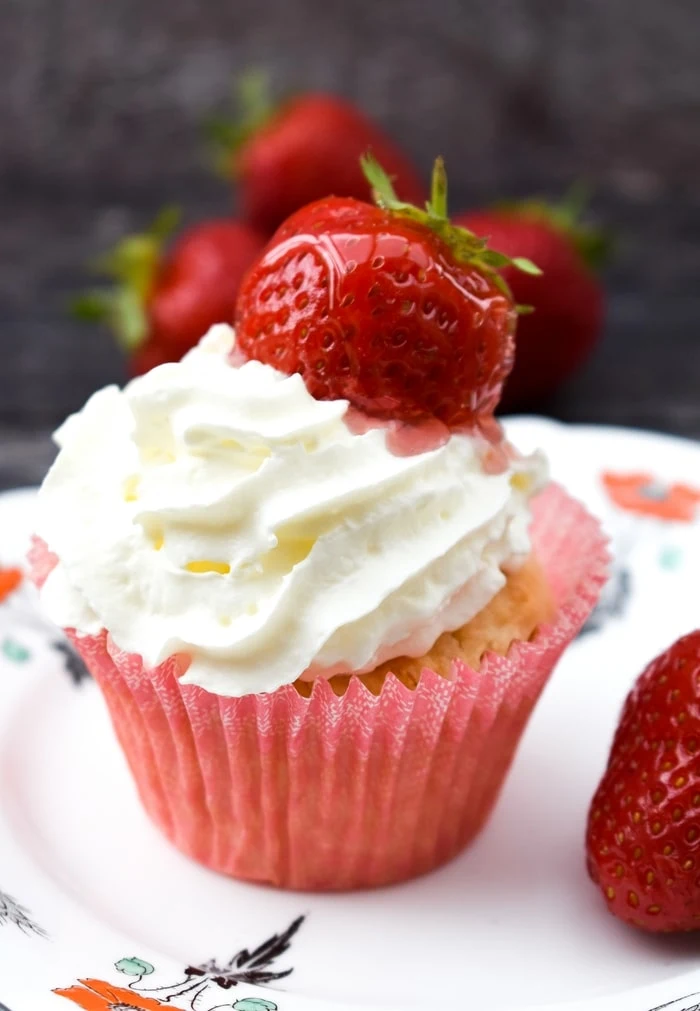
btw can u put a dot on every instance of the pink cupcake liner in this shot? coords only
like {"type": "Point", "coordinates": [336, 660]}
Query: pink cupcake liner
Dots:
{"type": "Point", "coordinates": [357, 791]}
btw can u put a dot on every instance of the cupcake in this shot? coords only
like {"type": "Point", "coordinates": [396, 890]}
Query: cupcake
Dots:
{"type": "Point", "coordinates": [319, 591]}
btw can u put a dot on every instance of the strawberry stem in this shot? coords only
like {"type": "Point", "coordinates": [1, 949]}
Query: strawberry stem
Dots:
{"type": "Point", "coordinates": [132, 265]}
{"type": "Point", "coordinates": [437, 206]}
{"type": "Point", "coordinates": [593, 244]}
{"type": "Point", "coordinates": [383, 191]}
{"type": "Point", "coordinates": [465, 245]}
{"type": "Point", "coordinates": [575, 203]}
{"type": "Point", "coordinates": [165, 222]}
{"type": "Point", "coordinates": [252, 108]}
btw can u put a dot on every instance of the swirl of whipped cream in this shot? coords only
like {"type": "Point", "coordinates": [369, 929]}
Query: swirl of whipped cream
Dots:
{"type": "Point", "coordinates": [223, 513]}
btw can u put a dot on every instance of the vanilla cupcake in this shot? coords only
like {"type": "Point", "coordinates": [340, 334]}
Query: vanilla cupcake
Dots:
{"type": "Point", "coordinates": [319, 591]}
{"type": "Point", "coordinates": [318, 655]}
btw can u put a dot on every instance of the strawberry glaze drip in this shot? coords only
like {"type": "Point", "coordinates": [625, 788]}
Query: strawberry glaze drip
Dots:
{"type": "Point", "coordinates": [409, 439]}
{"type": "Point", "coordinates": [404, 439]}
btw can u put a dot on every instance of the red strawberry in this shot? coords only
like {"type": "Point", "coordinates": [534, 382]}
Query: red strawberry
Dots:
{"type": "Point", "coordinates": [307, 149]}
{"type": "Point", "coordinates": [643, 838]}
{"type": "Point", "coordinates": [148, 356]}
{"type": "Point", "coordinates": [389, 306]}
{"type": "Point", "coordinates": [556, 338]}
{"type": "Point", "coordinates": [163, 303]}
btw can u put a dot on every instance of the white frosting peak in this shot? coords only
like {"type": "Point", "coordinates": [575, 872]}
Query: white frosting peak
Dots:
{"type": "Point", "coordinates": [224, 513]}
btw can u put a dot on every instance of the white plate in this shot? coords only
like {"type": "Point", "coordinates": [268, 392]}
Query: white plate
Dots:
{"type": "Point", "coordinates": [512, 923]}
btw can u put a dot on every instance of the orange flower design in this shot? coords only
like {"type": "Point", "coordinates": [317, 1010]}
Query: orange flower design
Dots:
{"type": "Point", "coordinates": [96, 995]}
{"type": "Point", "coordinates": [643, 494]}
{"type": "Point", "coordinates": [9, 581]}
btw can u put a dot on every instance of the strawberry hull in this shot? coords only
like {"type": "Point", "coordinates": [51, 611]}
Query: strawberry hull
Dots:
{"type": "Point", "coordinates": [338, 793]}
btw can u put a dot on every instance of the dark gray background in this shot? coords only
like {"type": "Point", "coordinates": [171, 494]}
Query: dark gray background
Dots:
{"type": "Point", "coordinates": [99, 111]}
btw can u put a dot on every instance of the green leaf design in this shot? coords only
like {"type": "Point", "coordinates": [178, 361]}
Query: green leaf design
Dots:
{"type": "Point", "coordinates": [254, 1004]}
{"type": "Point", "coordinates": [670, 557]}
{"type": "Point", "coordinates": [134, 966]}
{"type": "Point", "coordinates": [15, 651]}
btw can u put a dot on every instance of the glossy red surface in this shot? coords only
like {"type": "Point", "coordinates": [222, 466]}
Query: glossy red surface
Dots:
{"type": "Point", "coordinates": [372, 307]}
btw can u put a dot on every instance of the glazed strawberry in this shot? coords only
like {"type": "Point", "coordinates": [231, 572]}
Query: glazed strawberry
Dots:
{"type": "Point", "coordinates": [555, 339]}
{"type": "Point", "coordinates": [643, 838]}
{"type": "Point", "coordinates": [390, 307]}
{"type": "Point", "coordinates": [306, 149]}
{"type": "Point", "coordinates": [164, 302]}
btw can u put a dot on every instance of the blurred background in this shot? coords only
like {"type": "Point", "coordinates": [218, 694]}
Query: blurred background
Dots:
{"type": "Point", "coordinates": [100, 125]}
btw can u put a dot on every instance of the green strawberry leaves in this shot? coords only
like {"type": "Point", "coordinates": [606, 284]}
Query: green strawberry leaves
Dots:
{"type": "Point", "coordinates": [132, 267]}
{"type": "Point", "coordinates": [594, 245]}
{"type": "Point", "coordinates": [465, 245]}
{"type": "Point", "coordinates": [254, 107]}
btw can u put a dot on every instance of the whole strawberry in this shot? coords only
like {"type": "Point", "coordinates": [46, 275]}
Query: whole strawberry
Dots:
{"type": "Point", "coordinates": [558, 335]}
{"type": "Point", "coordinates": [307, 148]}
{"type": "Point", "coordinates": [390, 307]}
{"type": "Point", "coordinates": [643, 837]}
{"type": "Point", "coordinates": [164, 302]}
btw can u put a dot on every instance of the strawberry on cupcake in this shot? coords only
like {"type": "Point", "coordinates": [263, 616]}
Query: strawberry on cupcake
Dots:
{"type": "Point", "coordinates": [320, 591]}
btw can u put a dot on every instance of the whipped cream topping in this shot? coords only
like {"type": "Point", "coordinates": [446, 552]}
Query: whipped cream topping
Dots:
{"type": "Point", "coordinates": [223, 513]}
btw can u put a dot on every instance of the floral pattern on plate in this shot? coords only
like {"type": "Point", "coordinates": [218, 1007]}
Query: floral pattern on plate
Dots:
{"type": "Point", "coordinates": [646, 495]}
{"type": "Point", "coordinates": [200, 985]}
{"type": "Point", "coordinates": [689, 1003]}
{"type": "Point", "coordinates": [639, 506]}
{"type": "Point", "coordinates": [12, 913]}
